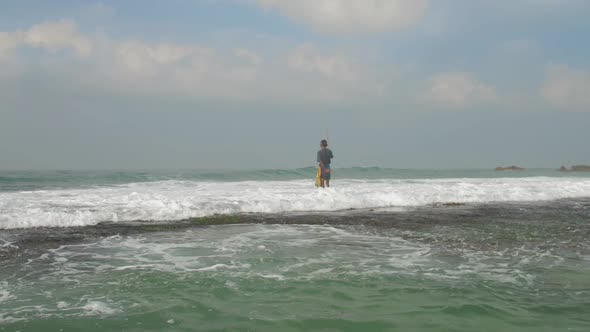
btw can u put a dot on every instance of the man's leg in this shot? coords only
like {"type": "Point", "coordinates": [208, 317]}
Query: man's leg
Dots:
{"type": "Point", "coordinates": [328, 183]}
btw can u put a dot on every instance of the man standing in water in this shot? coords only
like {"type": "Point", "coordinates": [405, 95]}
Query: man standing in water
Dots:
{"type": "Point", "coordinates": [324, 158]}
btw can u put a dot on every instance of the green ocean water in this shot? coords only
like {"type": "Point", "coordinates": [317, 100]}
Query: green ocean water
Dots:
{"type": "Point", "coordinates": [485, 268]}
{"type": "Point", "coordinates": [467, 266]}
{"type": "Point", "coordinates": [36, 180]}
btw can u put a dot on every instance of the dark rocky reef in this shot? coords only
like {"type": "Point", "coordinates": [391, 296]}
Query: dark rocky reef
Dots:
{"type": "Point", "coordinates": [509, 168]}
{"type": "Point", "coordinates": [575, 168]}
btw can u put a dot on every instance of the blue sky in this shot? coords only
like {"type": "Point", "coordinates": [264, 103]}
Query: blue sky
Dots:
{"type": "Point", "coordinates": [443, 80]}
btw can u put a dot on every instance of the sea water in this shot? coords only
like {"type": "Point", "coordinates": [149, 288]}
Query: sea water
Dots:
{"type": "Point", "coordinates": [383, 250]}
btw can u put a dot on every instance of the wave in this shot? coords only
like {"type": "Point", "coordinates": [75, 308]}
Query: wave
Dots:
{"type": "Point", "coordinates": [48, 180]}
{"type": "Point", "coordinates": [42, 180]}
{"type": "Point", "coordinates": [178, 200]}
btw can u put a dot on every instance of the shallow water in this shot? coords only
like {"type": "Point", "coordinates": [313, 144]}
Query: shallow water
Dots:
{"type": "Point", "coordinates": [487, 267]}
{"type": "Point", "coordinates": [169, 200]}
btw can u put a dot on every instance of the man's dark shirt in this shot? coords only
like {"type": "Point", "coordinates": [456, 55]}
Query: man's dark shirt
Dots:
{"type": "Point", "coordinates": [325, 156]}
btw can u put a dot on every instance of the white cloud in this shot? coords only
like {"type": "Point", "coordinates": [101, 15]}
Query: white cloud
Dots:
{"type": "Point", "coordinates": [248, 55]}
{"type": "Point", "coordinates": [55, 36]}
{"type": "Point", "coordinates": [459, 89]}
{"type": "Point", "coordinates": [50, 36]}
{"type": "Point", "coordinates": [306, 58]}
{"type": "Point", "coordinates": [189, 71]}
{"type": "Point", "coordinates": [8, 42]}
{"type": "Point", "coordinates": [343, 16]}
{"type": "Point", "coordinates": [145, 58]}
{"type": "Point", "coordinates": [566, 87]}
{"type": "Point", "coordinates": [173, 70]}
{"type": "Point", "coordinates": [139, 69]}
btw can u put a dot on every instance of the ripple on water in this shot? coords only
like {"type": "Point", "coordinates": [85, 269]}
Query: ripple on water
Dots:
{"type": "Point", "coordinates": [281, 265]}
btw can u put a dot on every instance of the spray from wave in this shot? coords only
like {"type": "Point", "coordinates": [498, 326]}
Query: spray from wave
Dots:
{"type": "Point", "coordinates": [177, 200]}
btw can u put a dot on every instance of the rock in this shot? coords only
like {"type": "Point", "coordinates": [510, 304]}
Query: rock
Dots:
{"type": "Point", "coordinates": [581, 168]}
{"type": "Point", "coordinates": [510, 168]}
{"type": "Point", "coordinates": [575, 168]}
{"type": "Point", "coordinates": [439, 204]}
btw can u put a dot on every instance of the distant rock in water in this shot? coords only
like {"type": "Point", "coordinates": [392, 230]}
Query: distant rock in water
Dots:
{"type": "Point", "coordinates": [575, 168]}
{"type": "Point", "coordinates": [581, 168]}
{"type": "Point", "coordinates": [439, 204]}
{"type": "Point", "coordinates": [510, 168]}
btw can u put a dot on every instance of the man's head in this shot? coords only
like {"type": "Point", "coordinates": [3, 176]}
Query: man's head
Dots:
{"type": "Point", "coordinates": [324, 143]}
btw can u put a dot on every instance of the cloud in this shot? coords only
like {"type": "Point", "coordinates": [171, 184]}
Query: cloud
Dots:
{"type": "Point", "coordinates": [140, 69]}
{"type": "Point", "coordinates": [49, 36]}
{"type": "Point", "coordinates": [175, 70]}
{"type": "Point", "coordinates": [8, 42]}
{"type": "Point", "coordinates": [459, 89]}
{"type": "Point", "coordinates": [303, 73]}
{"type": "Point", "coordinates": [146, 58]}
{"type": "Point", "coordinates": [189, 71]}
{"type": "Point", "coordinates": [248, 55]}
{"type": "Point", "coordinates": [55, 36]}
{"type": "Point", "coordinates": [350, 16]}
{"type": "Point", "coordinates": [566, 87]}
{"type": "Point", "coordinates": [306, 58]}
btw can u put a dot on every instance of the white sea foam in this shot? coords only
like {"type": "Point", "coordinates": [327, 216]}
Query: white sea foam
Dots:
{"type": "Point", "coordinates": [176, 200]}
{"type": "Point", "coordinates": [5, 295]}
{"type": "Point", "coordinates": [62, 304]}
{"type": "Point", "coordinates": [233, 253]}
{"type": "Point", "coordinates": [6, 245]}
{"type": "Point", "coordinates": [97, 308]}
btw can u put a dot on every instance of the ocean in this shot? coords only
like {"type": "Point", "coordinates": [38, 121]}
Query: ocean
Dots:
{"type": "Point", "coordinates": [264, 250]}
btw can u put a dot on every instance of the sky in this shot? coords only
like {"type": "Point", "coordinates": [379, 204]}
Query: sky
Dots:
{"type": "Point", "coordinates": [234, 84]}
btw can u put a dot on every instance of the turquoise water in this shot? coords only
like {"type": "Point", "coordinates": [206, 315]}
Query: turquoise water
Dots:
{"type": "Point", "coordinates": [444, 274]}
{"type": "Point", "coordinates": [33, 180]}
{"type": "Point", "coordinates": [520, 263]}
